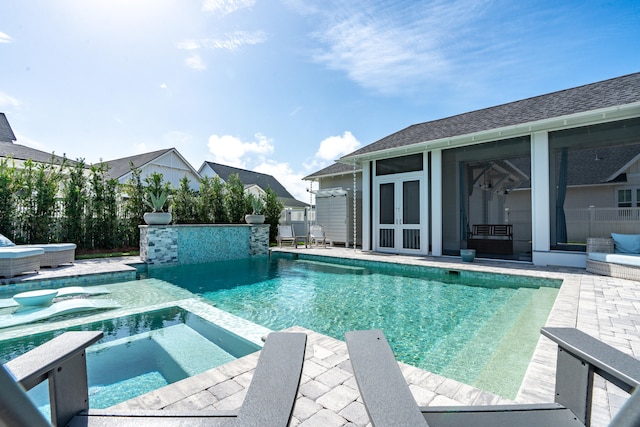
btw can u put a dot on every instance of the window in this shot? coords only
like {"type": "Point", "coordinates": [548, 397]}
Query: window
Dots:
{"type": "Point", "coordinates": [402, 164]}
{"type": "Point", "coordinates": [624, 199]}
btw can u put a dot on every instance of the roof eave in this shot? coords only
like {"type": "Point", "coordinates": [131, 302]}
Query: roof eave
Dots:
{"type": "Point", "coordinates": [600, 115]}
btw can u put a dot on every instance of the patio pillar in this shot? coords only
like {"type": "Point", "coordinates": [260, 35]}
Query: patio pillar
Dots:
{"type": "Point", "coordinates": [366, 200]}
{"type": "Point", "coordinates": [540, 205]}
{"type": "Point", "coordinates": [436, 202]}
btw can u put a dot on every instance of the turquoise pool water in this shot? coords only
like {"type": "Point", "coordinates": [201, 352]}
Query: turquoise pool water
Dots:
{"type": "Point", "coordinates": [140, 353]}
{"type": "Point", "coordinates": [480, 329]}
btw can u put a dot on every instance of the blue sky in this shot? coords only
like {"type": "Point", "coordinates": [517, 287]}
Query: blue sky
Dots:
{"type": "Point", "coordinates": [286, 86]}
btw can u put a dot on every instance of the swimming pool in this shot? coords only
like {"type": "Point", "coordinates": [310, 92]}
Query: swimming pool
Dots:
{"type": "Point", "coordinates": [480, 329]}
{"type": "Point", "coordinates": [140, 353]}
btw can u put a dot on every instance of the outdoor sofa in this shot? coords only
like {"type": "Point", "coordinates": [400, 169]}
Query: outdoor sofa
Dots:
{"type": "Point", "coordinates": [19, 260]}
{"type": "Point", "coordinates": [616, 256]}
{"type": "Point", "coordinates": [54, 253]}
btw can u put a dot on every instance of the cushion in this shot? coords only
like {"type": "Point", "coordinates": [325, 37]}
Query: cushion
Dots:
{"type": "Point", "coordinates": [626, 243]}
{"type": "Point", "coordinates": [53, 247]}
{"type": "Point", "coordinates": [17, 252]}
{"type": "Point", "coordinates": [624, 259]}
{"type": "Point", "coordinates": [4, 241]}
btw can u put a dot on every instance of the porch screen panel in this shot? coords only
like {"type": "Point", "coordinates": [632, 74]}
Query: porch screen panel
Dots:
{"type": "Point", "coordinates": [594, 168]}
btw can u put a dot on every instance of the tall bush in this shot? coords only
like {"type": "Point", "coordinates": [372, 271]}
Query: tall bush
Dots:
{"type": "Point", "coordinates": [206, 201]}
{"type": "Point", "coordinates": [235, 199]}
{"type": "Point", "coordinates": [217, 195]}
{"type": "Point", "coordinates": [39, 186]}
{"type": "Point", "coordinates": [272, 210]}
{"type": "Point", "coordinates": [134, 206]}
{"type": "Point", "coordinates": [8, 187]}
{"type": "Point", "coordinates": [184, 203]}
{"type": "Point", "coordinates": [74, 205]}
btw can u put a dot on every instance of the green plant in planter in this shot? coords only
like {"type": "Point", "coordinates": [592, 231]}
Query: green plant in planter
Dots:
{"type": "Point", "coordinates": [157, 200]}
{"type": "Point", "coordinates": [257, 205]}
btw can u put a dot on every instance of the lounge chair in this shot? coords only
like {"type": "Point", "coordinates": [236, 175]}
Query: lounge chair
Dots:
{"type": "Point", "coordinates": [268, 402]}
{"type": "Point", "coordinates": [316, 234]}
{"type": "Point", "coordinates": [16, 260]}
{"type": "Point", "coordinates": [54, 253]}
{"type": "Point", "coordinates": [286, 234]}
{"type": "Point", "coordinates": [389, 401]}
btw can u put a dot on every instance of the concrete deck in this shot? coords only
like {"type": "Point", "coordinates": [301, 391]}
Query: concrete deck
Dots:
{"type": "Point", "coordinates": [604, 307]}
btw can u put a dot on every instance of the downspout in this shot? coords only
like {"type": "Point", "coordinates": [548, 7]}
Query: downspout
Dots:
{"type": "Point", "coordinates": [354, 205]}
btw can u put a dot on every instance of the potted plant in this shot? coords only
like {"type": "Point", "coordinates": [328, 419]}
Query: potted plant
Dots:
{"type": "Point", "coordinates": [256, 205]}
{"type": "Point", "coordinates": [157, 194]}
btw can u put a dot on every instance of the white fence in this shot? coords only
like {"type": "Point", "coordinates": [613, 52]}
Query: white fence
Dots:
{"type": "Point", "coordinates": [601, 222]}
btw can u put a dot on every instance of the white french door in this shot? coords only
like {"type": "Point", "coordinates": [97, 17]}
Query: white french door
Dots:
{"type": "Point", "coordinates": [399, 224]}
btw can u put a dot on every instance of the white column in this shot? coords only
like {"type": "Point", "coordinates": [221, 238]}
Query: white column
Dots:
{"type": "Point", "coordinates": [436, 202]}
{"type": "Point", "coordinates": [366, 201]}
{"type": "Point", "coordinates": [540, 217]}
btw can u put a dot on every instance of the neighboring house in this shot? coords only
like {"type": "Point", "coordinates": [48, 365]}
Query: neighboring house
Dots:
{"type": "Point", "coordinates": [21, 153]}
{"type": "Point", "coordinates": [555, 169]}
{"type": "Point", "coordinates": [254, 182]}
{"type": "Point", "coordinates": [169, 162]}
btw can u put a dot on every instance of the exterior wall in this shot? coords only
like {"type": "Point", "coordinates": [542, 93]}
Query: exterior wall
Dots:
{"type": "Point", "coordinates": [346, 212]}
{"type": "Point", "coordinates": [172, 168]}
{"type": "Point", "coordinates": [194, 244]}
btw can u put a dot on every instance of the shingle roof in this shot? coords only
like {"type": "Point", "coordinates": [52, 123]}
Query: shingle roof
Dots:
{"type": "Point", "coordinates": [120, 167]}
{"type": "Point", "coordinates": [331, 170]}
{"type": "Point", "coordinates": [262, 180]}
{"type": "Point", "coordinates": [6, 133]}
{"type": "Point", "coordinates": [21, 152]}
{"type": "Point", "coordinates": [607, 93]}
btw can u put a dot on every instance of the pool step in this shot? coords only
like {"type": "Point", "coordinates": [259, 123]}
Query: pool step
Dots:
{"type": "Point", "coordinates": [190, 350]}
{"type": "Point", "coordinates": [466, 364]}
{"type": "Point", "coordinates": [503, 373]}
{"type": "Point", "coordinates": [441, 354]}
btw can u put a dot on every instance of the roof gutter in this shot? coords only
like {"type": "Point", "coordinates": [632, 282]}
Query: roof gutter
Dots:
{"type": "Point", "coordinates": [597, 116]}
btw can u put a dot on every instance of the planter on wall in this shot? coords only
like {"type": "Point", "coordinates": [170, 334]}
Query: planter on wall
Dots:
{"type": "Point", "coordinates": [157, 218]}
{"type": "Point", "coordinates": [254, 219]}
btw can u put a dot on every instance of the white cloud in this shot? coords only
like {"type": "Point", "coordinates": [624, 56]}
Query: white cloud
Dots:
{"type": "Point", "coordinates": [395, 49]}
{"type": "Point", "coordinates": [232, 151]}
{"type": "Point", "coordinates": [291, 180]}
{"type": "Point", "coordinates": [334, 147]}
{"type": "Point", "coordinates": [226, 6]}
{"type": "Point", "coordinates": [5, 38]}
{"type": "Point", "coordinates": [163, 86]}
{"type": "Point", "coordinates": [231, 41]}
{"type": "Point", "coordinates": [195, 62]}
{"type": "Point", "coordinates": [8, 101]}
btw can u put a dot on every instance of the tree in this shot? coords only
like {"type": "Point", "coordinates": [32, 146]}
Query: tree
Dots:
{"type": "Point", "coordinates": [39, 186]}
{"type": "Point", "coordinates": [8, 186]}
{"type": "Point", "coordinates": [74, 204]}
{"type": "Point", "coordinates": [272, 211]}
{"type": "Point", "coordinates": [219, 209]}
{"type": "Point", "coordinates": [134, 206]}
{"type": "Point", "coordinates": [185, 203]}
{"type": "Point", "coordinates": [235, 199]}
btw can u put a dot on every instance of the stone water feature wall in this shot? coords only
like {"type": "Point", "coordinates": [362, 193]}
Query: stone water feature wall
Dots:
{"type": "Point", "coordinates": [194, 244]}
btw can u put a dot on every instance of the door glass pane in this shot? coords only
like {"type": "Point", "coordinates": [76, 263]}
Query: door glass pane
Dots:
{"type": "Point", "coordinates": [411, 202]}
{"type": "Point", "coordinates": [387, 203]}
